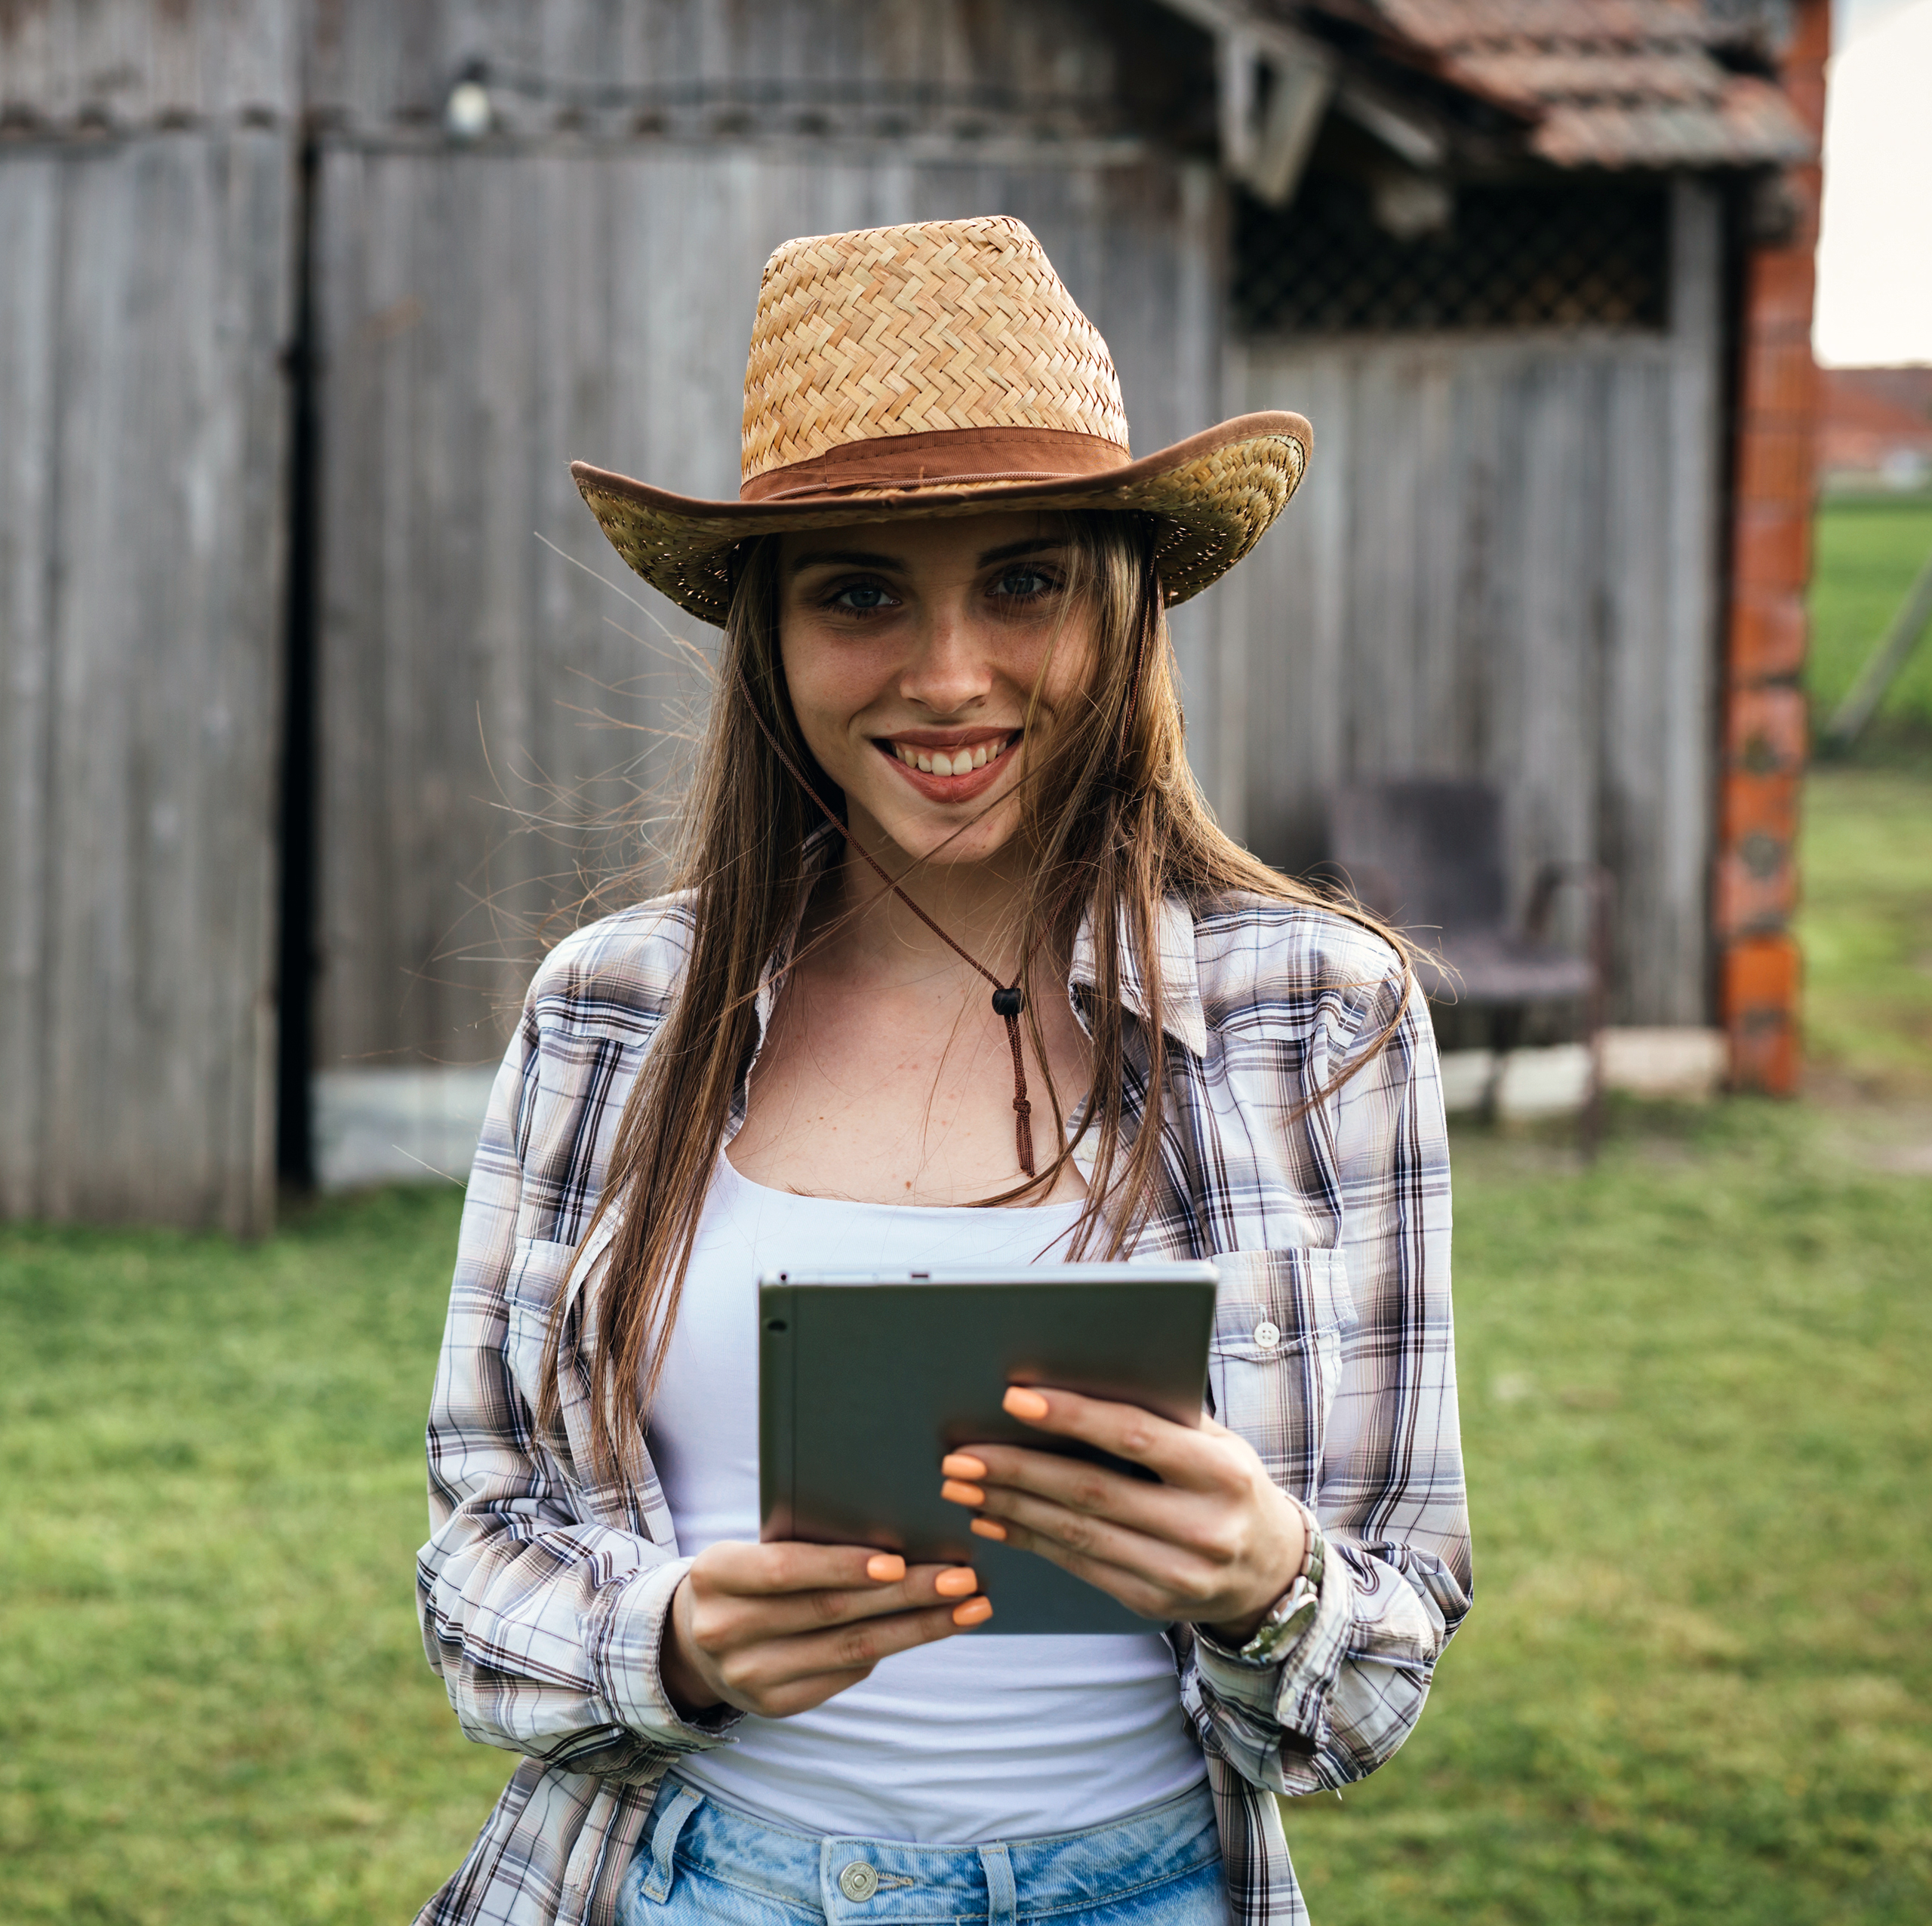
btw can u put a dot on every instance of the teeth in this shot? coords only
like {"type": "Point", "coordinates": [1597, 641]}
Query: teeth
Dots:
{"type": "Point", "coordinates": [940, 762]}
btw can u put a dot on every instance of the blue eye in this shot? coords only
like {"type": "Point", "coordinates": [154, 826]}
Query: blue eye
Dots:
{"type": "Point", "coordinates": [861, 597]}
{"type": "Point", "coordinates": [1020, 583]}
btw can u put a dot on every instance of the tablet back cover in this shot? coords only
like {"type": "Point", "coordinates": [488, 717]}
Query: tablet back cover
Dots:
{"type": "Point", "coordinates": [865, 1382]}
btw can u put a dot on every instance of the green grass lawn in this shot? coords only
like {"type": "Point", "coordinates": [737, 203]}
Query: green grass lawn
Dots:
{"type": "Point", "coordinates": [1696, 1687]}
{"type": "Point", "coordinates": [1869, 550]}
{"type": "Point", "coordinates": [1866, 928]}
{"type": "Point", "coordinates": [213, 1705]}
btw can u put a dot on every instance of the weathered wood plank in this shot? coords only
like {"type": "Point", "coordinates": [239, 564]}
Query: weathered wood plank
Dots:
{"type": "Point", "coordinates": [1499, 569]}
{"type": "Point", "coordinates": [1691, 670]}
{"type": "Point", "coordinates": [607, 69]}
{"type": "Point", "coordinates": [153, 653]}
{"type": "Point", "coordinates": [1549, 730]}
{"type": "Point", "coordinates": [30, 194]}
{"type": "Point", "coordinates": [131, 65]}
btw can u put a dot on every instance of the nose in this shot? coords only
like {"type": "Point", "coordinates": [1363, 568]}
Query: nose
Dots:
{"type": "Point", "coordinates": [950, 667]}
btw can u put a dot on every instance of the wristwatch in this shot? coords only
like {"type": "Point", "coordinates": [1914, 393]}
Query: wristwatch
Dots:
{"type": "Point", "coordinates": [1294, 1612]}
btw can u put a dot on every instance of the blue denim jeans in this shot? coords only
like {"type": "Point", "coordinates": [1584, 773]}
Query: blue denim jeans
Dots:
{"type": "Point", "coordinates": [704, 1863]}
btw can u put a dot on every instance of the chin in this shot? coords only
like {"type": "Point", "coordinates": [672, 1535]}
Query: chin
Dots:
{"type": "Point", "coordinates": [940, 850]}
{"type": "Point", "coordinates": [943, 844]}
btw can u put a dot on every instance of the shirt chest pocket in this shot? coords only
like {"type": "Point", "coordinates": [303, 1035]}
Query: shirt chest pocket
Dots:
{"type": "Point", "coordinates": [1276, 1357]}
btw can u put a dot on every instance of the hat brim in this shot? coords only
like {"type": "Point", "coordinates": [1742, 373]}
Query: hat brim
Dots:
{"type": "Point", "coordinates": [1213, 496]}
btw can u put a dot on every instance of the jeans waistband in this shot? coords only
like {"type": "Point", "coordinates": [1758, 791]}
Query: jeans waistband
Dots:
{"type": "Point", "coordinates": [891, 1882]}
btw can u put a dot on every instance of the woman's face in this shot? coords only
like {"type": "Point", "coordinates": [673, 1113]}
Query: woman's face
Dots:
{"type": "Point", "coordinates": [911, 651]}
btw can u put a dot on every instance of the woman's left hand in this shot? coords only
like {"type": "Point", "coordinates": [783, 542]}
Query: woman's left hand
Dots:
{"type": "Point", "coordinates": [1215, 1542]}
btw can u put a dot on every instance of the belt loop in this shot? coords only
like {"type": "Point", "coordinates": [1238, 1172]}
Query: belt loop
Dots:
{"type": "Point", "coordinates": [1002, 1897]}
{"type": "Point", "coordinates": [668, 1823]}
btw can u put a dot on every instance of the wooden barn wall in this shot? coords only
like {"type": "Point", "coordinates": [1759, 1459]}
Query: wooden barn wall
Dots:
{"type": "Point", "coordinates": [143, 300]}
{"type": "Point", "coordinates": [100, 67]}
{"type": "Point", "coordinates": [722, 67]}
{"type": "Point", "coordinates": [1502, 566]}
{"type": "Point", "coordinates": [488, 706]}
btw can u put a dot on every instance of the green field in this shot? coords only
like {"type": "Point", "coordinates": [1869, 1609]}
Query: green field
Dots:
{"type": "Point", "coordinates": [1869, 550]}
{"type": "Point", "coordinates": [213, 1705]}
{"type": "Point", "coordinates": [1866, 929]}
{"type": "Point", "coordinates": [1696, 1686]}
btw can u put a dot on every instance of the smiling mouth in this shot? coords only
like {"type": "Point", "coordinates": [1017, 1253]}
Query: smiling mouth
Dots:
{"type": "Point", "coordinates": [961, 760]}
{"type": "Point", "coordinates": [951, 767]}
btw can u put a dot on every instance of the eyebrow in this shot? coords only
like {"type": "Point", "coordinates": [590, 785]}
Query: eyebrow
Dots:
{"type": "Point", "coordinates": [846, 558]}
{"type": "Point", "coordinates": [1013, 549]}
{"type": "Point", "coordinates": [871, 558]}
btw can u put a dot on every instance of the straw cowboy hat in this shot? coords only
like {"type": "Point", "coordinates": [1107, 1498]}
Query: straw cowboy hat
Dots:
{"type": "Point", "coordinates": [942, 369]}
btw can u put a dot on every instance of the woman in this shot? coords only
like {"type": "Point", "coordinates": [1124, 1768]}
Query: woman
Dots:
{"type": "Point", "coordinates": [944, 754]}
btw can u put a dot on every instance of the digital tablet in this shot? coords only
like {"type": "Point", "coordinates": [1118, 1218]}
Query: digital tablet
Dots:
{"type": "Point", "coordinates": [866, 1381]}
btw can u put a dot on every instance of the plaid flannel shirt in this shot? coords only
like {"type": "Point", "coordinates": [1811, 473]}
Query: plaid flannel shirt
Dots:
{"type": "Point", "coordinates": [544, 1592]}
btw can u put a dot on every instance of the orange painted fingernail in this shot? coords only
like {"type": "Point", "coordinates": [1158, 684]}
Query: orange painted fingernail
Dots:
{"type": "Point", "coordinates": [974, 1611]}
{"type": "Point", "coordinates": [957, 1464]}
{"type": "Point", "coordinates": [887, 1567]}
{"type": "Point", "coordinates": [962, 1494]}
{"type": "Point", "coordinates": [956, 1581]}
{"type": "Point", "coordinates": [1021, 1403]}
{"type": "Point", "coordinates": [988, 1527]}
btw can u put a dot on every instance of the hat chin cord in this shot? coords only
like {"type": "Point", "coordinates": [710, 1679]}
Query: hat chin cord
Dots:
{"type": "Point", "coordinates": [1009, 999]}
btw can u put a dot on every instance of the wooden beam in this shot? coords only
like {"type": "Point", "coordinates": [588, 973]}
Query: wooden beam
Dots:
{"type": "Point", "coordinates": [1296, 104]}
{"type": "Point", "coordinates": [1237, 63]}
{"type": "Point", "coordinates": [1274, 86]}
{"type": "Point", "coordinates": [1399, 131]}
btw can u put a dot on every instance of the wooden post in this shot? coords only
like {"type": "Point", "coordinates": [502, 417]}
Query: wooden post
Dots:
{"type": "Point", "coordinates": [1764, 741]}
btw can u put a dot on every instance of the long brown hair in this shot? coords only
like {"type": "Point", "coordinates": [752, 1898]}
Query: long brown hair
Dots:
{"type": "Point", "coordinates": [1117, 824]}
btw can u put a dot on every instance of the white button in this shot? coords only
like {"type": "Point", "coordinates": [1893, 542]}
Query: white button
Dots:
{"type": "Point", "coordinates": [1267, 1334]}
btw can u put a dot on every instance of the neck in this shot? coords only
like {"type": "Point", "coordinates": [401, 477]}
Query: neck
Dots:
{"type": "Point", "coordinates": [978, 905]}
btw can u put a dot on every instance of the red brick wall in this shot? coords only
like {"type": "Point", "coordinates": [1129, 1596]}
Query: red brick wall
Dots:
{"type": "Point", "coordinates": [1756, 885]}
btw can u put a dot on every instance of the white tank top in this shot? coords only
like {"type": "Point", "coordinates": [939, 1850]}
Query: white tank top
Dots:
{"type": "Point", "coordinates": [978, 1737]}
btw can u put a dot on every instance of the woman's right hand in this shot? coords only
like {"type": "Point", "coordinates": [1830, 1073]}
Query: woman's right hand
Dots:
{"type": "Point", "coordinates": [776, 1629]}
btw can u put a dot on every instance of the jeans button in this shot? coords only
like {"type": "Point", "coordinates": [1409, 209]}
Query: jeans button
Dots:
{"type": "Point", "coordinates": [858, 1880]}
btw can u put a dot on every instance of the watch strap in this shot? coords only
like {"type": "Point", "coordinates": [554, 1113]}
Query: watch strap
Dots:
{"type": "Point", "coordinates": [1294, 1612]}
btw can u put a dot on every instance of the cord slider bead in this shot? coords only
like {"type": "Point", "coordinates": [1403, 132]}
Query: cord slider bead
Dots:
{"type": "Point", "coordinates": [1008, 1002]}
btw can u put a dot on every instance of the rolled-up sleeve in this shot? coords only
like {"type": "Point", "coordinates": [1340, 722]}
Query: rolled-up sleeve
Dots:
{"type": "Point", "coordinates": [543, 1617]}
{"type": "Point", "coordinates": [1389, 1491]}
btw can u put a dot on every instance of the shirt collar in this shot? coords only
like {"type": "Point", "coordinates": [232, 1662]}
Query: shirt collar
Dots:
{"type": "Point", "coordinates": [1182, 1015]}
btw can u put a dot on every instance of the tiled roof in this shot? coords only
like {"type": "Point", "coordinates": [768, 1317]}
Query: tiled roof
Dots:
{"type": "Point", "coordinates": [1602, 83]}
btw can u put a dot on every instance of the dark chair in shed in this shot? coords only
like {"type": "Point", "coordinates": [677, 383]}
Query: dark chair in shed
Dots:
{"type": "Point", "coordinates": [1427, 856]}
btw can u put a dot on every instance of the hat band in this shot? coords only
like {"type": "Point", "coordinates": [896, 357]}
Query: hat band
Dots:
{"type": "Point", "coordinates": [941, 458]}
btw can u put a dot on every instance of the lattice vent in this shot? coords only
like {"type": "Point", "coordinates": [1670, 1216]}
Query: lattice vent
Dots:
{"type": "Point", "coordinates": [1560, 255]}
